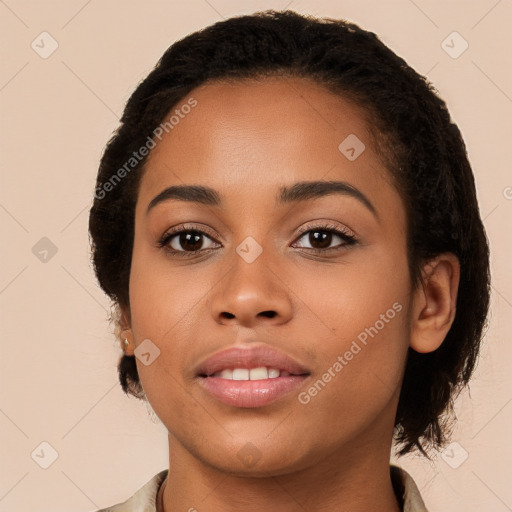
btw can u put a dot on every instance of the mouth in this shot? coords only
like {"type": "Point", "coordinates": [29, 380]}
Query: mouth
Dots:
{"type": "Point", "coordinates": [259, 373]}
{"type": "Point", "coordinates": [251, 393]}
{"type": "Point", "coordinates": [250, 378]}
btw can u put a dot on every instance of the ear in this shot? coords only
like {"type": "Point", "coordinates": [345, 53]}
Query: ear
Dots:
{"type": "Point", "coordinates": [434, 303]}
{"type": "Point", "coordinates": [125, 319]}
{"type": "Point", "coordinates": [126, 331]}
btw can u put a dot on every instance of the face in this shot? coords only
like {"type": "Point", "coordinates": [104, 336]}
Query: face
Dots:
{"type": "Point", "coordinates": [319, 277]}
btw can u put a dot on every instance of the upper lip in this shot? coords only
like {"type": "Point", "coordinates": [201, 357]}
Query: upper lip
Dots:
{"type": "Point", "coordinates": [252, 357]}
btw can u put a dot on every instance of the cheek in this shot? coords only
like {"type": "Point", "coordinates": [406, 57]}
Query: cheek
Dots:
{"type": "Point", "coordinates": [361, 367]}
{"type": "Point", "coordinates": [360, 320]}
{"type": "Point", "coordinates": [163, 297]}
{"type": "Point", "coordinates": [344, 298]}
{"type": "Point", "coordinates": [162, 307]}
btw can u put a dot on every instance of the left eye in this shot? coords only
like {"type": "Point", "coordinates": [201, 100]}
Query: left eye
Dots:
{"type": "Point", "coordinates": [321, 238]}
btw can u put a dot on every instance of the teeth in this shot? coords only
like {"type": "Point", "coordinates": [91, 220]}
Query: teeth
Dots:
{"type": "Point", "coordinates": [226, 374]}
{"type": "Point", "coordinates": [260, 373]}
{"type": "Point", "coordinates": [240, 374]}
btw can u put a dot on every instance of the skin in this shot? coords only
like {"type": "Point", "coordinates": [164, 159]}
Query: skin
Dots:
{"type": "Point", "coordinates": [245, 140]}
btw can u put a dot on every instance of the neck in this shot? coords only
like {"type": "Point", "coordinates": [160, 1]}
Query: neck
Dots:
{"type": "Point", "coordinates": [345, 480]}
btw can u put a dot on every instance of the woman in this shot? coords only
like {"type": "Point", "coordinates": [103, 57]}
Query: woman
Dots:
{"type": "Point", "coordinates": [286, 221]}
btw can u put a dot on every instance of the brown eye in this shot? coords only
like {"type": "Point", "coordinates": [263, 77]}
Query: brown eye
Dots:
{"type": "Point", "coordinates": [189, 241]}
{"type": "Point", "coordinates": [186, 241]}
{"type": "Point", "coordinates": [321, 238]}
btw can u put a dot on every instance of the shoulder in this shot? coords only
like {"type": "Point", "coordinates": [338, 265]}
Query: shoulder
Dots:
{"type": "Point", "coordinates": [144, 500]}
{"type": "Point", "coordinates": [412, 500]}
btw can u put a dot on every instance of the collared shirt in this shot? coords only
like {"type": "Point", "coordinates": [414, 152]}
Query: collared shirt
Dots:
{"type": "Point", "coordinates": [144, 500]}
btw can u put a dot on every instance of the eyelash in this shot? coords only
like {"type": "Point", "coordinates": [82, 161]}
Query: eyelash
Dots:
{"type": "Point", "coordinates": [348, 238]}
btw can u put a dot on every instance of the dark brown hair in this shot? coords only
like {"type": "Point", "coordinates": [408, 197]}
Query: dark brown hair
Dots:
{"type": "Point", "coordinates": [422, 147]}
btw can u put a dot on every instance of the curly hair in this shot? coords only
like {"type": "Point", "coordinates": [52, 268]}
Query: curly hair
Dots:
{"type": "Point", "coordinates": [414, 134]}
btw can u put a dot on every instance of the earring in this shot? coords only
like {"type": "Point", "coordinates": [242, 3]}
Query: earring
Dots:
{"type": "Point", "coordinates": [126, 339]}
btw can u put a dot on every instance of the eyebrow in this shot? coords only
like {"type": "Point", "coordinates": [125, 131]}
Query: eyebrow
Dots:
{"type": "Point", "coordinates": [301, 191]}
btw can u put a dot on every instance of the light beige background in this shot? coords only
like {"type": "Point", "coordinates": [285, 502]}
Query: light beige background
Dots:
{"type": "Point", "coordinates": [58, 377]}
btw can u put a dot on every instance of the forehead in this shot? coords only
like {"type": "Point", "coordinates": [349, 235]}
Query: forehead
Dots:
{"type": "Point", "coordinates": [253, 136]}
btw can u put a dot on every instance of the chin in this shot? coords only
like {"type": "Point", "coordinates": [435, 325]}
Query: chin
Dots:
{"type": "Point", "coordinates": [246, 458]}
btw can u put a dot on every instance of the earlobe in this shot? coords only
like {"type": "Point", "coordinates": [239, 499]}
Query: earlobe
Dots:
{"type": "Point", "coordinates": [126, 334]}
{"type": "Point", "coordinates": [434, 303]}
{"type": "Point", "coordinates": [127, 342]}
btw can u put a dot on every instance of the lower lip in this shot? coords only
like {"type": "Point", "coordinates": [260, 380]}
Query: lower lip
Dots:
{"type": "Point", "coordinates": [251, 393]}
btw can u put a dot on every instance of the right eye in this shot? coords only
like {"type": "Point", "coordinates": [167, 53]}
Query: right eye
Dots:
{"type": "Point", "coordinates": [185, 241]}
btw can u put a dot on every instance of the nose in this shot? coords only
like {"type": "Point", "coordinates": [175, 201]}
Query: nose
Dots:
{"type": "Point", "coordinates": [252, 293]}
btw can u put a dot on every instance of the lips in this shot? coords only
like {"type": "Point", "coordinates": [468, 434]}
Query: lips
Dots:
{"type": "Point", "coordinates": [250, 377]}
{"type": "Point", "coordinates": [249, 358]}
